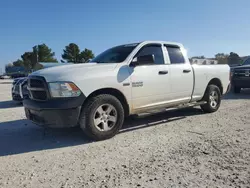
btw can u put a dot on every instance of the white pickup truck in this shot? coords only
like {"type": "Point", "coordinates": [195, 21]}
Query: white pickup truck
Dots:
{"type": "Point", "coordinates": [123, 80]}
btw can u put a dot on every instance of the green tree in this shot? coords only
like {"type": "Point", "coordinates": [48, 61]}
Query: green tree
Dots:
{"type": "Point", "coordinates": [221, 58]}
{"type": "Point", "coordinates": [71, 53]}
{"type": "Point", "coordinates": [26, 57]}
{"type": "Point", "coordinates": [29, 60]}
{"type": "Point", "coordinates": [86, 55]}
{"type": "Point", "coordinates": [234, 58]}
{"type": "Point", "coordinates": [38, 67]}
{"type": "Point", "coordinates": [43, 53]}
{"type": "Point", "coordinates": [18, 63]}
{"type": "Point", "coordinates": [40, 53]}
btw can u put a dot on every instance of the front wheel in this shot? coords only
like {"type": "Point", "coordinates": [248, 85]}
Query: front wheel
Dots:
{"type": "Point", "coordinates": [213, 98]}
{"type": "Point", "coordinates": [102, 117]}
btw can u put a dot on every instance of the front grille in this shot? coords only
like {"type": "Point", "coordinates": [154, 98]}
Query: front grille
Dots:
{"type": "Point", "coordinates": [25, 90]}
{"type": "Point", "coordinates": [14, 82]}
{"type": "Point", "coordinates": [38, 89]}
{"type": "Point", "coordinates": [36, 83]}
{"type": "Point", "coordinates": [16, 88]}
{"type": "Point", "coordinates": [40, 95]}
{"type": "Point", "coordinates": [242, 73]}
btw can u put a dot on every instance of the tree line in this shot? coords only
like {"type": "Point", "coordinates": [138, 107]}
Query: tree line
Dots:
{"type": "Point", "coordinates": [222, 58]}
{"type": "Point", "coordinates": [42, 53]}
{"type": "Point", "coordinates": [73, 54]}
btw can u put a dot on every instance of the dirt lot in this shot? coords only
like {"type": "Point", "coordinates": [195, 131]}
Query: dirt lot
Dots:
{"type": "Point", "coordinates": [172, 149]}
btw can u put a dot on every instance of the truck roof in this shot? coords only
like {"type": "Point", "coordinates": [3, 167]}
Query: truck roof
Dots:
{"type": "Point", "coordinates": [162, 42]}
{"type": "Point", "coordinates": [142, 43]}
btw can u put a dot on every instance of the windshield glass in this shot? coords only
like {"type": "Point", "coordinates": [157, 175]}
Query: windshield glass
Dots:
{"type": "Point", "coordinates": [116, 54]}
{"type": "Point", "coordinates": [247, 62]}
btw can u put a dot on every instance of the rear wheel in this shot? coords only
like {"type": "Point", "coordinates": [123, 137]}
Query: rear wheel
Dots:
{"type": "Point", "coordinates": [102, 117]}
{"type": "Point", "coordinates": [213, 98]}
{"type": "Point", "coordinates": [237, 89]}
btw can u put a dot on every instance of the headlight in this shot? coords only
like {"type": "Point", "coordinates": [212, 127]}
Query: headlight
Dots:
{"type": "Point", "coordinates": [64, 89]}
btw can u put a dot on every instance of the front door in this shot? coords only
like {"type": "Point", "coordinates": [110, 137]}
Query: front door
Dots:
{"type": "Point", "coordinates": [150, 83]}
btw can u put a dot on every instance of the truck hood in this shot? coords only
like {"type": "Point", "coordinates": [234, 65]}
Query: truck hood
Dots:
{"type": "Point", "coordinates": [241, 67]}
{"type": "Point", "coordinates": [68, 72]}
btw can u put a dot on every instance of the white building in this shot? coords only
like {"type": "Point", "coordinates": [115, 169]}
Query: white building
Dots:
{"type": "Point", "coordinates": [203, 61]}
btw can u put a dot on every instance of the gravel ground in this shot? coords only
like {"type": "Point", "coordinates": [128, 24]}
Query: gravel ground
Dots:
{"type": "Point", "coordinates": [183, 148]}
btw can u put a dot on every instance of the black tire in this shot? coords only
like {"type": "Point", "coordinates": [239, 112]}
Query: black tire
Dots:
{"type": "Point", "coordinates": [86, 119]}
{"type": "Point", "coordinates": [208, 107]}
{"type": "Point", "coordinates": [237, 89]}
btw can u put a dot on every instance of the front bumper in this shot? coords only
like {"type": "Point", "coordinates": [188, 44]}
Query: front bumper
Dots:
{"type": "Point", "coordinates": [243, 82]}
{"type": "Point", "coordinates": [54, 118]}
{"type": "Point", "coordinates": [54, 113]}
{"type": "Point", "coordinates": [16, 97]}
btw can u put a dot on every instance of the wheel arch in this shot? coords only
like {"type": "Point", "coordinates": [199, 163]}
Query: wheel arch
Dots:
{"type": "Point", "coordinates": [112, 91]}
{"type": "Point", "coordinates": [217, 82]}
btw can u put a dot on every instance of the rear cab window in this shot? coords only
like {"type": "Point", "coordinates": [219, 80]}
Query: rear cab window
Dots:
{"type": "Point", "coordinates": [175, 54]}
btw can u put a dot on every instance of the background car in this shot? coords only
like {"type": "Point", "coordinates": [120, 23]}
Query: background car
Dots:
{"type": "Point", "coordinates": [17, 88]}
{"type": "Point", "coordinates": [241, 76]}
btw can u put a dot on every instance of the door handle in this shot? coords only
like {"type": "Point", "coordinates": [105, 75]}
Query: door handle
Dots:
{"type": "Point", "coordinates": [163, 72]}
{"type": "Point", "coordinates": [186, 70]}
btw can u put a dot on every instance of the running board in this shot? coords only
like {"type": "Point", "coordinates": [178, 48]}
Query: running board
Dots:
{"type": "Point", "coordinates": [192, 104]}
{"type": "Point", "coordinates": [187, 105]}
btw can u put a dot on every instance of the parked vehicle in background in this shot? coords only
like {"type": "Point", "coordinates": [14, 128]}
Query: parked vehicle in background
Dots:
{"type": "Point", "coordinates": [4, 77]}
{"type": "Point", "coordinates": [16, 71]}
{"type": "Point", "coordinates": [19, 85]}
{"type": "Point", "coordinates": [124, 80]}
{"type": "Point", "coordinates": [241, 76]}
{"type": "Point", "coordinates": [18, 90]}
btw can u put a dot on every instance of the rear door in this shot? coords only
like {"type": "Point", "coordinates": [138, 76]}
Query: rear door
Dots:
{"type": "Point", "coordinates": [181, 74]}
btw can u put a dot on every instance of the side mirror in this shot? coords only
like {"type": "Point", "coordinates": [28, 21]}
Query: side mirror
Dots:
{"type": "Point", "coordinates": [143, 60]}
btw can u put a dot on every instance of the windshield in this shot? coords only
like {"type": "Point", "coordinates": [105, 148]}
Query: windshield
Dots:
{"type": "Point", "coordinates": [247, 62]}
{"type": "Point", "coordinates": [116, 54]}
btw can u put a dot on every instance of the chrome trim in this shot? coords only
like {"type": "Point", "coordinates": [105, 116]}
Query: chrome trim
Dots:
{"type": "Point", "coordinates": [35, 89]}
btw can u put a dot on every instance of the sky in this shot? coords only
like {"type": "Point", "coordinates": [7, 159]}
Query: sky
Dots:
{"type": "Point", "coordinates": [203, 27]}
